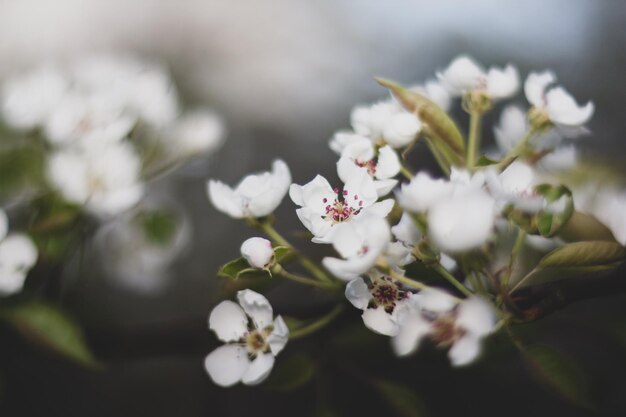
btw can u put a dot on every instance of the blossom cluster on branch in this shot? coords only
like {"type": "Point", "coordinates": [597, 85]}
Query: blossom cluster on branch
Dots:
{"type": "Point", "coordinates": [467, 225]}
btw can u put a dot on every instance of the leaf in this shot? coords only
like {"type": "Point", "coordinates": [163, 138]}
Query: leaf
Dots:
{"type": "Point", "coordinates": [582, 226]}
{"type": "Point", "coordinates": [557, 372]}
{"type": "Point", "coordinates": [584, 254]}
{"type": "Point", "coordinates": [440, 124]}
{"type": "Point", "coordinates": [403, 401]}
{"type": "Point", "coordinates": [159, 226]}
{"type": "Point", "coordinates": [485, 161]}
{"type": "Point", "coordinates": [51, 328]}
{"type": "Point", "coordinates": [292, 373]}
{"type": "Point", "coordinates": [283, 254]}
{"type": "Point", "coordinates": [240, 268]}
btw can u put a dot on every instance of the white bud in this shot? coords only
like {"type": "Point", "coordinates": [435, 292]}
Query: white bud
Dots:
{"type": "Point", "coordinates": [257, 251]}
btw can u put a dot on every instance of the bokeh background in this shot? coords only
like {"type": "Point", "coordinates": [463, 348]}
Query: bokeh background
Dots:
{"type": "Point", "coordinates": [284, 75]}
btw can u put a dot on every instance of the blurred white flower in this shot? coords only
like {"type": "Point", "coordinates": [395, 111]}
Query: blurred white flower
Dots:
{"type": "Point", "coordinates": [104, 177]}
{"type": "Point", "coordinates": [253, 340]}
{"type": "Point", "coordinates": [555, 103]}
{"type": "Point", "coordinates": [257, 195]}
{"type": "Point", "coordinates": [512, 128]}
{"type": "Point", "coordinates": [18, 254]}
{"type": "Point", "coordinates": [459, 326]}
{"type": "Point", "coordinates": [382, 301]}
{"type": "Point", "coordinates": [464, 75]}
{"type": "Point", "coordinates": [406, 231]}
{"type": "Point", "coordinates": [386, 122]}
{"type": "Point", "coordinates": [28, 98]}
{"type": "Point", "coordinates": [382, 166]}
{"type": "Point", "coordinates": [462, 221]}
{"type": "Point", "coordinates": [257, 251]}
{"type": "Point", "coordinates": [435, 91]}
{"type": "Point", "coordinates": [198, 131]}
{"type": "Point", "coordinates": [322, 208]}
{"type": "Point", "coordinates": [561, 159]}
{"type": "Point", "coordinates": [359, 243]}
{"type": "Point", "coordinates": [422, 192]}
{"type": "Point", "coordinates": [515, 185]}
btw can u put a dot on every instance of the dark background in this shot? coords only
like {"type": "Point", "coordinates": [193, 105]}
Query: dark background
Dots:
{"type": "Point", "coordinates": [285, 75]}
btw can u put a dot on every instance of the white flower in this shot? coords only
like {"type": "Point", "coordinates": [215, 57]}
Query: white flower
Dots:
{"type": "Point", "coordinates": [608, 206]}
{"type": "Point", "coordinates": [513, 126]}
{"type": "Point", "coordinates": [18, 255]}
{"type": "Point", "coordinates": [89, 118]}
{"type": "Point", "coordinates": [253, 340]}
{"type": "Point", "coordinates": [198, 131]}
{"type": "Point", "coordinates": [406, 231]}
{"type": "Point", "coordinates": [561, 159]}
{"type": "Point", "coordinates": [360, 156]}
{"type": "Point", "coordinates": [102, 176]}
{"type": "Point", "coordinates": [464, 75]}
{"type": "Point", "coordinates": [387, 122]}
{"type": "Point", "coordinates": [515, 185]}
{"type": "Point", "coordinates": [258, 252]}
{"type": "Point", "coordinates": [28, 99]}
{"type": "Point", "coordinates": [323, 208]}
{"type": "Point", "coordinates": [382, 301]}
{"type": "Point", "coordinates": [359, 243]}
{"type": "Point", "coordinates": [463, 221]}
{"type": "Point", "coordinates": [257, 195]}
{"type": "Point", "coordinates": [422, 192]}
{"type": "Point", "coordinates": [448, 323]}
{"type": "Point", "coordinates": [556, 103]}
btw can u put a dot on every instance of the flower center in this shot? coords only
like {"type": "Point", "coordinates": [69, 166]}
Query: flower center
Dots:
{"type": "Point", "coordinates": [386, 293]}
{"type": "Point", "coordinates": [256, 341]}
{"type": "Point", "coordinates": [369, 165]}
{"type": "Point", "coordinates": [445, 331]}
{"type": "Point", "coordinates": [339, 210]}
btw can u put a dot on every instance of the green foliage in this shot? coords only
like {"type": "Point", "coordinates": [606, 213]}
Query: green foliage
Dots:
{"type": "Point", "coordinates": [52, 329]}
{"type": "Point", "coordinates": [402, 400]}
{"type": "Point", "coordinates": [554, 370]}
{"type": "Point", "coordinates": [292, 373]}
{"type": "Point", "coordinates": [20, 166]}
{"type": "Point", "coordinates": [159, 226]}
{"type": "Point", "coordinates": [240, 268]}
{"type": "Point", "coordinates": [582, 226]}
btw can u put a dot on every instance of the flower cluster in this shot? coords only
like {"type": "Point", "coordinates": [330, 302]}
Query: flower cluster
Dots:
{"type": "Point", "coordinates": [18, 255]}
{"type": "Point", "coordinates": [454, 223]}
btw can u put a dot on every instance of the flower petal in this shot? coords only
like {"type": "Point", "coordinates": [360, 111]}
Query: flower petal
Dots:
{"type": "Point", "coordinates": [358, 293]}
{"type": "Point", "coordinates": [464, 351]}
{"type": "Point", "coordinates": [462, 75]}
{"type": "Point", "coordinates": [228, 321]}
{"type": "Point", "coordinates": [227, 364]}
{"type": "Point", "coordinates": [502, 83]}
{"type": "Point", "coordinates": [412, 329]}
{"type": "Point", "coordinates": [563, 109]}
{"type": "Point", "coordinates": [4, 224]}
{"type": "Point", "coordinates": [535, 87]}
{"type": "Point", "coordinates": [388, 165]}
{"type": "Point", "coordinates": [435, 300]}
{"type": "Point", "coordinates": [476, 316]}
{"type": "Point", "coordinates": [224, 199]}
{"type": "Point", "coordinates": [279, 336]}
{"type": "Point", "coordinates": [259, 369]}
{"type": "Point", "coordinates": [379, 321]}
{"type": "Point", "coordinates": [256, 306]}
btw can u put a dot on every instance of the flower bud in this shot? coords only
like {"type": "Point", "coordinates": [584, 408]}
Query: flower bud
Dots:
{"type": "Point", "coordinates": [258, 252]}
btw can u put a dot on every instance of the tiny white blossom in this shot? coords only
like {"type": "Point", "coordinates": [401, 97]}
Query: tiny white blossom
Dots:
{"type": "Point", "coordinates": [253, 340]}
{"type": "Point", "coordinates": [464, 75]}
{"type": "Point", "coordinates": [360, 156]}
{"type": "Point", "coordinates": [256, 195]}
{"type": "Point", "coordinates": [102, 176]}
{"type": "Point", "coordinates": [459, 326]}
{"type": "Point", "coordinates": [18, 254]}
{"type": "Point", "coordinates": [323, 208]}
{"type": "Point", "coordinates": [360, 243]}
{"type": "Point", "coordinates": [422, 192]}
{"type": "Point", "coordinates": [513, 126]}
{"type": "Point", "coordinates": [515, 185]}
{"type": "Point", "coordinates": [200, 130]}
{"type": "Point", "coordinates": [382, 301]}
{"type": "Point", "coordinates": [257, 251]}
{"type": "Point", "coordinates": [556, 103]}
{"type": "Point", "coordinates": [387, 122]}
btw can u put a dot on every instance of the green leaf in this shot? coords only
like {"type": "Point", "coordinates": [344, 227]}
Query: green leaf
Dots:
{"type": "Point", "coordinates": [557, 372]}
{"type": "Point", "coordinates": [159, 226]}
{"type": "Point", "coordinates": [51, 328]}
{"type": "Point", "coordinates": [402, 400]}
{"type": "Point", "coordinates": [292, 373]}
{"type": "Point", "coordinates": [283, 254]}
{"type": "Point", "coordinates": [240, 268]}
{"type": "Point", "coordinates": [582, 226]}
{"type": "Point", "coordinates": [439, 123]}
{"type": "Point", "coordinates": [21, 166]}
{"type": "Point", "coordinates": [484, 161]}
{"type": "Point", "coordinates": [584, 254]}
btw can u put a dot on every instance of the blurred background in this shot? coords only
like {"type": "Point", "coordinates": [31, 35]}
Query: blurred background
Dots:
{"type": "Point", "coordinates": [284, 76]}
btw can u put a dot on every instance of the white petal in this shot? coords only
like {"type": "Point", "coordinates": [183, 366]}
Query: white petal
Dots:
{"type": "Point", "coordinates": [224, 199]}
{"type": "Point", "coordinates": [347, 168]}
{"type": "Point", "coordinates": [256, 306]}
{"type": "Point", "coordinates": [228, 321]}
{"type": "Point", "coordinates": [388, 165]}
{"type": "Point", "coordinates": [563, 110]}
{"type": "Point", "coordinates": [17, 253]}
{"type": "Point", "coordinates": [266, 191]}
{"type": "Point", "coordinates": [227, 364]}
{"type": "Point", "coordinates": [358, 293]}
{"type": "Point", "coordinates": [4, 224]}
{"type": "Point", "coordinates": [464, 351]}
{"type": "Point", "coordinates": [401, 129]}
{"type": "Point", "coordinates": [379, 321]}
{"type": "Point", "coordinates": [11, 280]}
{"type": "Point", "coordinates": [413, 328]}
{"type": "Point", "coordinates": [422, 192]}
{"type": "Point", "coordinates": [435, 300]}
{"type": "Point", "coordinates": [511, 129]}
{"type": "Point", "coordinates": [462, 75]}
{"type": "Point", "coordinates": [559, 160]}
{"type": "Point", "coordinates": [259, 369]}
{"type": "Point", "coordinates": [341, 140]}
{"type": "Point", "coordinates": [279, 336]}
{"type": "Point", "coordinates": [502, 83]}
{"type": "Point", "coordinates": [384, 187]}
{"type": "Point", "coordinates": [406, 231]}
{"type": "Point", "coordinates": [536, 85]}
{"type": "Point", "coordinates": [257, 251]}
{"type": "Point", "coordinates": [379, 209]}
{"type": "Point", "coordinates": [476, 316]}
